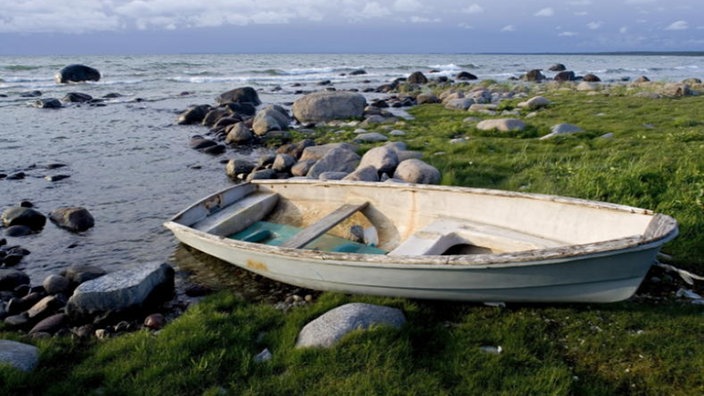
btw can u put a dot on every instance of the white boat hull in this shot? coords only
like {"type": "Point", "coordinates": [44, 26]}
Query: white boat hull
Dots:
{"type": "Point", "coordinates": [597, 272]}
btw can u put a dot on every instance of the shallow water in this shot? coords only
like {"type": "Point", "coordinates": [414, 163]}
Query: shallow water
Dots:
{"type": "Point", "coordinates": [131, 166]}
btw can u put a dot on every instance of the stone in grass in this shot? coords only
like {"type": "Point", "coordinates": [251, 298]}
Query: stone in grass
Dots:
{"type": "Point", "coordinates": [562, 129]}
{"type": "Point", "coordinates": [535, 103]}
{"type": "Point", "coordinates": [122, 290]}
{"type": "Point", "coordinates": [502, 125]}
{"type": "Point", "coordinates": [21, 356]}
{"type": "Point", "coordinates": [330, 327]}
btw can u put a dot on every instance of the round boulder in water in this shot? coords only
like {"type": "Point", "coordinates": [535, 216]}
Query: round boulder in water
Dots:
{"type": "Point", "coordinates": [77, 73]}
{"type": "Point", "coordinates": [74, 219]}
{"type": "Point", "coordinates": [18, 215]}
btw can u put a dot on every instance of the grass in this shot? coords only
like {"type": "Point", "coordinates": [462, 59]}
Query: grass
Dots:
{"type": "Point", "coordinates": [638, 347]}
{"type": "Point", "coordinates": [623, 348]}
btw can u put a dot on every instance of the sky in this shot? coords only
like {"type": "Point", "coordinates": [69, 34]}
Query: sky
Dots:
{"type": "Point", "coordinates": [70, 27]}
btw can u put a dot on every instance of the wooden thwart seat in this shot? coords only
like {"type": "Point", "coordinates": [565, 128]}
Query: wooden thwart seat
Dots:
{"type": "Point", "coordinates": [313, 231]}
{"type": "Point", "coordinates": [239, 215]}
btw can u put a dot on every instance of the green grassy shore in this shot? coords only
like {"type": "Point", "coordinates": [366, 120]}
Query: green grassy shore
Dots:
{"type": "Point", "coordinates": [649, 345]}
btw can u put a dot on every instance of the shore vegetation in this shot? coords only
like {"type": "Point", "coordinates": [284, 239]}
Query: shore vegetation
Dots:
{"type": "Point", "coordinates": [636, 149]}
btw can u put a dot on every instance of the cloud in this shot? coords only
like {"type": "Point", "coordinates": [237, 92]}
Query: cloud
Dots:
{"type": "Point", "coordinates": [623, 30]}
{"type": "Point", "coordinates": [407, 5]}
{"type": "Point", "coordinates": [473, 9]}
{"type": "Point", "coordinates": [594, 25]}
{"type": "Point", "coordinates": [508, 28]}
{"type": "Point", "coordinates": [567, 34]}
{"type": "Point", "coordinates": [545, 12]}
{"type": "Point", "coordinates": [678, 25]}
{"type": "Point", "coordinates": [641, 1]}
{"type": "Point", "coordinates": [420, 19]}
{"type": "Point", "coordinates": [580, 2]}
{"type": "Point", "coordinates": [374, 10]}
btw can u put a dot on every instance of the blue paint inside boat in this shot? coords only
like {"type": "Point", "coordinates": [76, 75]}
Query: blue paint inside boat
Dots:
{"type": "Point", "coordinates": [275, 234]}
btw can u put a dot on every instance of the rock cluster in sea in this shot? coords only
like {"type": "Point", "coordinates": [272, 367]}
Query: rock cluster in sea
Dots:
{"type": "Point", "coordinates": [237, 122]}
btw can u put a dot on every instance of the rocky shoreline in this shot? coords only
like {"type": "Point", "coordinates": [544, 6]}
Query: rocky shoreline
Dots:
{"type": "Point", "coordinates": [238, 119]}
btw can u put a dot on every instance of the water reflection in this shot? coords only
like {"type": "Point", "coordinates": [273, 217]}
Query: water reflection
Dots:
{"type": "Point", "coordinates": [216, 274]}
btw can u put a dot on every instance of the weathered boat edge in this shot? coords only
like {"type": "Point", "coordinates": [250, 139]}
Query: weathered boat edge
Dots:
{"type": "Point", "coordinates": [259, 259]}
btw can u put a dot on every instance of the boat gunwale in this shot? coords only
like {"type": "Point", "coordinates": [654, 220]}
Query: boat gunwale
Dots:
{"type": "Point", "coordinates": [495, 260]}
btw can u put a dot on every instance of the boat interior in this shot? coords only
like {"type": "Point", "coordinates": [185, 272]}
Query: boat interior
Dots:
{"type": "Point", "coordinates": [404, 222]}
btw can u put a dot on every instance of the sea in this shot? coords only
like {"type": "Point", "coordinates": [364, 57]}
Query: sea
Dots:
{"type": "Point", "coordinates": [131, 166]}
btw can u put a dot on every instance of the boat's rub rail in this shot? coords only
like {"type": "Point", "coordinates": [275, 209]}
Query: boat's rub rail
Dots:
{"type": "Point", "coordinates": [659, 227]}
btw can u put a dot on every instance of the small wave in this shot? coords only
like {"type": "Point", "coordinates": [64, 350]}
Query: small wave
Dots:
{"type": "Point", "coordinates": [448, 67]}
{"type": "Point", "coordinates": [311, 70]}
{"type": "Point", "coordinates": [20, 67]}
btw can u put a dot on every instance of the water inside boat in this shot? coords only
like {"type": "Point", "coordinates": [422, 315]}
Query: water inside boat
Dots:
{"type": "Point", "coordinates": [274, 234]}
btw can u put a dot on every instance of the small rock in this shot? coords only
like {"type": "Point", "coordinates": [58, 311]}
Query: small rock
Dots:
{"type": "Point", "coordinates": [155, 321]}
{"type": "Point", "coordinates": [18, 215]}
{"type": "Point", "coordinates": [10, 279]}
{"type": "Point", "coordinates": [535, 103]}
{"type": "Point", "coordinates": [75, 219]}
{"type": "Point", "coordinates": [48, 103]}
{"type": "Point", "coordinates": [78, 274]}
{"type": "Point", "coordinates": [371, 137]}
{"type": "Point", "coordinates": [54, 284]}
{"type": "Point", "coordinates": [18, 231]}
{"type": "Point", "coordinates": [263, 356]}
{"type": "Point", "coordinates": [502, 125]}
{"type": "Point", "coordinates": [562, 129]}
{"type": "Point", "coordinates": [51, 324]}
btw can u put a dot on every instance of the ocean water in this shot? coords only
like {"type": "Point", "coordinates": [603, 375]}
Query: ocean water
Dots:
{"type": "Point", "coordinates": [131, 166]}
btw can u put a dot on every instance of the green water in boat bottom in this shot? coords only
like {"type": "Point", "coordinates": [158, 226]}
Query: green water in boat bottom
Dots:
{"type": "Point", "coordinates": [274, 234]}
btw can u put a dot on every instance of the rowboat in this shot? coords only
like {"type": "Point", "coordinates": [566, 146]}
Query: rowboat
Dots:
{"type": "Point", "coordinates": [428, 241]}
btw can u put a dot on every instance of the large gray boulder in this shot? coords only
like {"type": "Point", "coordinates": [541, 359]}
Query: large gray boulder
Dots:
{"type": "Point", "coordinates": [384, 159]}
{"type": "Point", "coordinates": [417, 171]}
{"type": "Point", "coordinates": [75, 219]}
{"type": "Point", "coordinates": [244, 95]}
{"type": "Point", "coordinates": [336, 160]}
{"type": "Point", "coordinates": [77, 73]}
{"type": "Point", "coordinates": [21, 356]}
{"type": "Point", "coordinates": [318, 152]}
{"type": "Point", "coordinates": [238, 134]}
{"type": "Point", "coordinates": [330, 327]}
{"type": "Point", "coordinates": [329, 105]}
{"type": "Point", "coordinates": [271, 118]}
{"type": "Point", "coordinates": [122, 290]}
